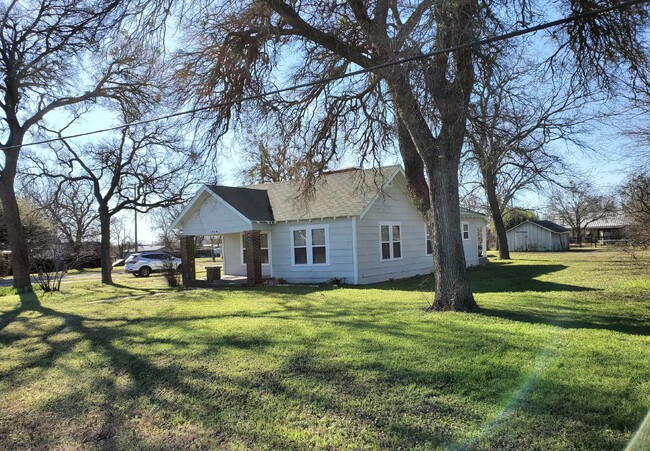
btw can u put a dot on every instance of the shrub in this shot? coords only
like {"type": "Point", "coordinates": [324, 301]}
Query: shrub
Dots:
{"type": "Point", "coordinates": [171, 274]}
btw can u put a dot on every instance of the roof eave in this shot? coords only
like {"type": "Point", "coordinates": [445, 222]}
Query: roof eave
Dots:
{"type": "Point", "coordinates": [188, 207]}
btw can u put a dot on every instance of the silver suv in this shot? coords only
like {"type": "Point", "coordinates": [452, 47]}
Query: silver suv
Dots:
{"type": "Point", "coordinates": [145, 263]}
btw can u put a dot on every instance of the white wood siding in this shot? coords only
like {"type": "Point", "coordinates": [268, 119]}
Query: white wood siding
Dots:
{"type": "Point", "coordinates": [394, 206]}
{"type": "Point", "coordinates": [211, 216]}
{"type": "Point", "coordinates": [232, 256]}
{"type": "Point", "coordinates": [470, 246]}
{"type": "Point", "coordinates": [340, 257]}
{"type": "Point", "coordinates": [560, 241]}
{"type": "Point", "coordinates": [531, 237]}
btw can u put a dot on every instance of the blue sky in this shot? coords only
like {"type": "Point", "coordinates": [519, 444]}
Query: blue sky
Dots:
{"type": "Point", "coordinates": [606, 166]}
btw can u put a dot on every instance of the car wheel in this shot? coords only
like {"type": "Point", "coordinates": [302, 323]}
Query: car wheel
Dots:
{"type": "Point", "coordinates": [145, 271]}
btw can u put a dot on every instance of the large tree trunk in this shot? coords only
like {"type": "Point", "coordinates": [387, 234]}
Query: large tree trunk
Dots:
{"type": "Point", "coordinates": [451, 283]}
{"type": "Point", "coordinates": [17, 242]}
{"type": "Point", "coordinates": [495, 209]}
{"type": "Point", "coordinates": [105, 249]}
{"type": "Point", "coordinates": [439, 158]}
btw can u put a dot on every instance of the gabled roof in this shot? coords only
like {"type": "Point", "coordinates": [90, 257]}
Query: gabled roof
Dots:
{"type": "Point", "coordinates": [254, 204]}
{"type": "Point", "coordinates": [548, 225]}
{"type": "Point", "coordinates": [343, 193]}
{"type": "Point", "coordinates": [613, 221]}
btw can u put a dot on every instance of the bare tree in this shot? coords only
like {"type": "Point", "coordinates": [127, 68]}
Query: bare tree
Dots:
{"type": "Point", "coordinates": [511, 127]}
{"type": "Point", "coordinates": [52, 58]}
{"type": "Point", "coordinates": [239, 51]}
{"type": "Point", "coordinates": [635, 202]}
{"type": "Point", "coordinates": [141, 169]}
{"type": "Point", "coordinates": [272, 159]}
{"type": "Point", "coordinates": [121, 237]}
{"type": "Point", "coordinates": [330, 38]}
{"type": "Point", "coordinates": [70, 207]}
{"type": "Point", "coordinates": [578, 206]}
{"type": "Point", "coordinates": [161, 221]}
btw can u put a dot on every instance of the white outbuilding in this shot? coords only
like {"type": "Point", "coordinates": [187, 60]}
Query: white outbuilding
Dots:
{"type": "Point", "coordinates": [538, 236]}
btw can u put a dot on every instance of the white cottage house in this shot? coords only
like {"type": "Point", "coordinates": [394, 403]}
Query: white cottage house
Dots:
{"type": "Point", "coordinates": [358, 226]}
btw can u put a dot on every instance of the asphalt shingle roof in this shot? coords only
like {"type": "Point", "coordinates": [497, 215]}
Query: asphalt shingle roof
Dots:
{"type": "Point", "coordinates": [252, 203]}
{"type": "Point", "coordinates": [342, 193]}
{"type": "Point", "coordinates": [550, 225]}
{"type": "Point", "coordinates": [613, 221]}
{"type": "Point", "coordinates": [335, 194]}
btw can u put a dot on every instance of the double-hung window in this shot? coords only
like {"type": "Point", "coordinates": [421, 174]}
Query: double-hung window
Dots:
{"type": "Point", "coordinates": [465, 230]}
{"type": "Point", "coordinates": [310, 245]}
{"type": "Point", "coordinates": [264, 248]}
{"type": "Point", "coordinates": [390, 240]}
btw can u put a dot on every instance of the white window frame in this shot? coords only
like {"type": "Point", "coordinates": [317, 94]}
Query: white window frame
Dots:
{"type": "Point", "coordinates": [310, 252]}
{"type": "Point", "coordinates": [390, 225]}
{"type": "Point", "coordinates": [462, 230]}
{"type": "Point", "coordinates": [426, 238]}
{"type": "Point", "coordinates": [241, 247]}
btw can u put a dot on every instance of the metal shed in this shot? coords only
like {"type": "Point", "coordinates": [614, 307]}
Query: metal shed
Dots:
{"type": "Point", "coordinates": [538, 236]}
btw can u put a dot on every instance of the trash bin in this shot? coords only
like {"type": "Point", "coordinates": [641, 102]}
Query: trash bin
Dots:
{"type": "Point", "coordinates": [213, 273]}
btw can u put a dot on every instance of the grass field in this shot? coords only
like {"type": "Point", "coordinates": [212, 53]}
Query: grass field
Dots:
{"type": "Point", "coordinates": [558, 358]}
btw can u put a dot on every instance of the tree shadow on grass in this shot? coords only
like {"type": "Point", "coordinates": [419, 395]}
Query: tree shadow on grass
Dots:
{"type": "Point", "coordinates": [502, 277]}
{"type": "Point", "coordinates": [497, 277]}
{"type": "Point", "coordinates": [616, 324]}
{"type": "Point", "coordinates": [163, 384]}
{"type": "Point", "coordinates": [149, 379]}
{"type": "Point", "coordinates": [367, 392]}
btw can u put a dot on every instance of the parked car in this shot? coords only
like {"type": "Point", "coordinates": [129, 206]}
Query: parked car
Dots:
{"type": "Point", "coordinates": [145, 263]}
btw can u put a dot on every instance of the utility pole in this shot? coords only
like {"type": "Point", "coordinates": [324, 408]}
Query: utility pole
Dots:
{"type": "Point", "coordinates": [135, 215]}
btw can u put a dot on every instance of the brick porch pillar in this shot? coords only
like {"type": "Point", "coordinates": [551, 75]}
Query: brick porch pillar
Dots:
{"type": "Point", "coordinates": [188, 268]}
{"type": "Point", "coordinates": [253, 257]}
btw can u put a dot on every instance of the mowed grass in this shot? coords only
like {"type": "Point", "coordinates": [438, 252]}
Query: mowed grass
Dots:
{"type": "Point", "coordinates": [558, 358]}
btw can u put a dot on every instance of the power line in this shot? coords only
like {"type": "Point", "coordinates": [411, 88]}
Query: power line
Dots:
{"type": "Point", "coordinates": [475, 43]}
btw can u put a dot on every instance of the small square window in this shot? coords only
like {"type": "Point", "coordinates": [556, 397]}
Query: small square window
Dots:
{"type": "Point", "coordinates": [299, 237]}
{"type": "Point", "coordinates": [300, 255]}
{"type": "Point", "coordinates": [319, 255]}
{"type": "Point", "coordinates": [318, 237]}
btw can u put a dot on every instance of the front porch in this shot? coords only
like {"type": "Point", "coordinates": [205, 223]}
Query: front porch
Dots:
{"type": "Point", "coordinates": [242, 255]}
{"type": "Point", "coordinates": [224, 282]}
{"type": "Point", "coordinates": [482, 249]}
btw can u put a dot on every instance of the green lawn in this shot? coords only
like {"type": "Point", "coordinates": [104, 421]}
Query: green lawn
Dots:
{"type": "Point", "coordinates": [559, 358]}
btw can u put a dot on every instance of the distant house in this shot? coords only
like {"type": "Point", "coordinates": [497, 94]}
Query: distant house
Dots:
{"type": "Point", "coordinates": [358, 226]}
{"type": "Point", "coordinates": [538, 236]}
{"type": "Point", "coordinates": [609, 228]}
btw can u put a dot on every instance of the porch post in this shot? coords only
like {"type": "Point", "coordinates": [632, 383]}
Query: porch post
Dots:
{"type": "Point", "coordinates": [253, 257]}
{"type": "Point", "coordinates": [484, 241]}
{"type": "Point", "coordinates": [188, 268]}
